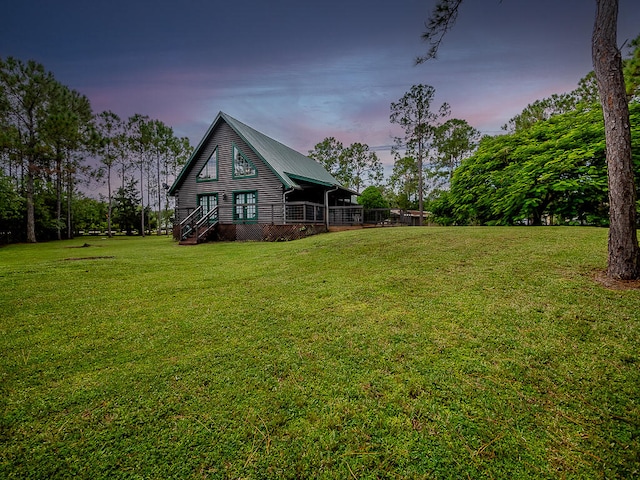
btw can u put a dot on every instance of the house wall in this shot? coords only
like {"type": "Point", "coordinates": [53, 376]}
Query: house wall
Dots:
{"type": "Point", "coordinates": [267, 185]}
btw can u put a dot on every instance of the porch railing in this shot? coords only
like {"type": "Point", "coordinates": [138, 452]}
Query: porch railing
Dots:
{"type": "Point", "coordinates": [292, 213]}
{"type": "Point", "coordinates": [352, 215]}
{"type": "Point", "coordinates": [304, 212]}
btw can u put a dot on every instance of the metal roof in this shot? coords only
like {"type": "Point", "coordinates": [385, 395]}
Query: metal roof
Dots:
{"type": "Point", "coordinates": [287, 164]}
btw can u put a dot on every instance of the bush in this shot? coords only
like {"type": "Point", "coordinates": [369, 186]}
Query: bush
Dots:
{"type": "Point", "coordinates": [372, 197]}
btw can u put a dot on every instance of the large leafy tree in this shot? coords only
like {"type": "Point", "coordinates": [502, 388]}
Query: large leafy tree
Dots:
{"type": "Point", "coordinates": [585, 94]}
{"type": "Point", "coordinates": [624, 252]}
{"type": "Point", "coordinates": [413, 112]}
{"type": "Point", "coordinates": [555, 168]}
{"type": "Point", "coordinates": [372, 197]}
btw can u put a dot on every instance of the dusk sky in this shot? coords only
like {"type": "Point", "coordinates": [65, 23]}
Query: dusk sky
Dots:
{"type": "Point", "coordinates": [300, 71]}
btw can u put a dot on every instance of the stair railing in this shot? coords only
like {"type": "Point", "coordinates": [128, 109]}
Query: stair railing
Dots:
{"type": "Point", "coordinates": [206, 223]}
{"type": "Point", "coordinates": [188, 224]}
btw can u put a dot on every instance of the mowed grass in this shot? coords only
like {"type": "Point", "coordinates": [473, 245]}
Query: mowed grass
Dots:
{"type": "Point", "coordinates": [381, 353]}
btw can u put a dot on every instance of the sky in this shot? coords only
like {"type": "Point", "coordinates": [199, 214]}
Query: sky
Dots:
{"type": "Point", "coordinates": [303, 70]}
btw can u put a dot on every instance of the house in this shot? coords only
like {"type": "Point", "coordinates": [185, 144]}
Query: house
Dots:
{"type": "Point", "coordinates": [240, 184]}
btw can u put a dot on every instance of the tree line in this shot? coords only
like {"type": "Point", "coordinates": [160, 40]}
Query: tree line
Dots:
{"type": "Point", "coordinates": [52, 144]}
{"type": "Point", "coordinates": [426, 155]}
{"type": "Point", "coordinates": [548, 167]}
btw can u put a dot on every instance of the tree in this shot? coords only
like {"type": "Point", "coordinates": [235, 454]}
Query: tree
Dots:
{"type": "Point", "coordinates": [624, 252]}
{"type": "Point", "coordinates": [180, 152]}
{"type": "Point", "coordinates": [11, 208]}
{"type": "Point", "coordinates": [403, 182]}
{"type": "Point", "coordinates": [109, 130]}
{"type": "Point", "coordinates": [413, 113]}
{"type": "Point", "coordinates": [363, 165]}
{"type": "Point", "coordinates": [372, 197]}
{"type": "Point", "coordinates": [453, 141]}
{"type": "Point", "coordinates": [540, 110]}
{"type": "Point", "coordinates": [555, 168]}
{"type": "Point", "coordinates": [126, 206]}
{"type": "Point", "coordinates": [66, 131]}
{"type": "Point", "coordinates": [139, 145]}
{"type": "Point", "coordinates": [90, 214]}
{"type": "Point", "coordinates": [631, 68]}
{"type": "Point", "coordinates": [330, 154]}
{"type": "Point", "coordinates": [25, 91]}
{"type": "Point", "coordinates": [351, 166]}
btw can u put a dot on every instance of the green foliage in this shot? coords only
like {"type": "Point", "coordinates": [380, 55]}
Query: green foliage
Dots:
{"type": "Point", "coordinates": [126, 209]}
{"type": "Point", "coordinates": [364, 165]}
{"type": "Point", "coordinates": [403, 182]}
{"type": "Point", "coordinates": [12, 208]}
{"type": "Point", "coordinates": [372, 197]}
{"type": "Point", "coordinates": [391, 353]}
{"type": "Point", "coordinates": [442, 208]}
{"type": "Point", "coordinates": [90, 214]}
{"type": "Point", "coordinates": [556, 104]}
{"type": "Point", "coordinates": [553, 168]}
{"type": "Point", "coordinates": [453, 141]}
{"type": "Point", "coordinates": [631, 68]}
{"type": "Point", "coordinates": [329, 154]}
{"type": "Point", "coordinates": [352, 166]}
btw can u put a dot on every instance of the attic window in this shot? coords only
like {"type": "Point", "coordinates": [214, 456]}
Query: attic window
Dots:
{"type": "Point", "coordinates": [210, 169]}
{"type": "Point", "coordinates": [242, 166]}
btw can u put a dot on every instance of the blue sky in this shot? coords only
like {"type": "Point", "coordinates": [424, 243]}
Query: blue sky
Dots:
{"type": "Point", "coordinates": [301, 71]}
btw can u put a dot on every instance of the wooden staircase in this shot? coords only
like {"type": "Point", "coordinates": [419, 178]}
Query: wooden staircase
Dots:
{"type": "Point", "coordinates": [196, 228]}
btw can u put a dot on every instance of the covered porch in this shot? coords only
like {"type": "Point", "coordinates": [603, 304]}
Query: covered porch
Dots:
{"type": "Point", "coordinates": [276, 221]}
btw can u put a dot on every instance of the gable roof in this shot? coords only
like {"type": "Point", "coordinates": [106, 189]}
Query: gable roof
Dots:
{"type": "Point", "coordinates": [287, 164]}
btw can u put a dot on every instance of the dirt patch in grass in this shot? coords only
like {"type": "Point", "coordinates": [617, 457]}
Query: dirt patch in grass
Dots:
{"type": "Point", "coordinates": [84, 245]}
{"type": "Point", "coordinates": [613, 284]}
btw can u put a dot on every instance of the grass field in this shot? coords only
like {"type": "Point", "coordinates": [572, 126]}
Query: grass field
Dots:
{"type": "Point", "coordinates": [383, 353]}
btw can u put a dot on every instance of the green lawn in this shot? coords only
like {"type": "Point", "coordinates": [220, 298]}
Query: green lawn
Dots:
{"type": "Point", "coordinates": [380, 353]}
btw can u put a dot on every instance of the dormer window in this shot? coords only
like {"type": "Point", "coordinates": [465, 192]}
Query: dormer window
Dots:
{"type": "Point", "coordinates": [242, 166]}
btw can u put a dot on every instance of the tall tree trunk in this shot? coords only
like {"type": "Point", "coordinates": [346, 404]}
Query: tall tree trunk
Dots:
{"type": "Point", "coordinates": [69, 201]}
{"type": "Point", "coordinates": [420, 184]}
{"type": "Point", "coordinates": [141, 201]}
{"type": "Point", "coordinates": [624, 253]}
{"type": "Point", "coordinates": [31, 214]}
{"type": "Point", "coordinates": [159, 198]}
{"type": "Point", "coordinates": [109, 207]}
{"type": "Point", "coordinates": [59, 196]}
